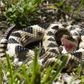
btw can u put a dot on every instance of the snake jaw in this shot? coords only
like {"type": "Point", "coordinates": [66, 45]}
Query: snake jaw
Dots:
{"type": "Point", "coordinates": [69, 44]}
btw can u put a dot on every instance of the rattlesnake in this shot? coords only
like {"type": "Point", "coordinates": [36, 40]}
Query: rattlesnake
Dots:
{"type": "Point", "coordinates": [18, 40]}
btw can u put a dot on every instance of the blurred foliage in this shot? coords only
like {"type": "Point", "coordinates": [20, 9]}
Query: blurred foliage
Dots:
{"type": "Point", "coordinates": [32, 73]}
{"type": "Point", "coordinates": [21, 12]}
{"type": "Point", "coordinates": [28, 74]}
{"type": "Point", "coordinates": [25, 12]}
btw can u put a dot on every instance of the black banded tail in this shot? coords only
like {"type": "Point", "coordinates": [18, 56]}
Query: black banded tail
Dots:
{"type": "Point", "coordinates": [3, 42]}
{"type": "Point", "coordinates": [9, 31]}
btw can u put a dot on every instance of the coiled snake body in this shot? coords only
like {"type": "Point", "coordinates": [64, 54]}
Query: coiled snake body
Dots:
{"type": "Point", "coordinates": [50, 38]}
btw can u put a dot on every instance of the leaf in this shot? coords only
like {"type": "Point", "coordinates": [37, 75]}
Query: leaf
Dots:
{"type": "Point", "coordinates": [61, 3]}
{"type": "Point", "coordinates": [68, 8]}
{"type": "Point", "coordinates": [53, 7]}
{"type": "Point", "coordinates": [59, 69]}
{"type": "Point", "coordinates": [36, 73]}
{"type": "Point", "coordinates": [10, 67]}
{"type": "Point", "coordinates": [82, 79]}
{"type": "Point", "coordinates": [1, 74]}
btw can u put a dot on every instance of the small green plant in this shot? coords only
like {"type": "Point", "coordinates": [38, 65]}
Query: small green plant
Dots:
{"type": "Point", "coordinates": [21, 12]}
{"type": "Point", "coordinates": [49, 77]}
{"type": "Point", "coordinates": [29, 74]}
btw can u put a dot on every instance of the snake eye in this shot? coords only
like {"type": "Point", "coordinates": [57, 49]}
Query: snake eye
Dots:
{"type": "Point", "coordinates": [68, 37]}
{"type": "Point", "coordinates": [65, 36]}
